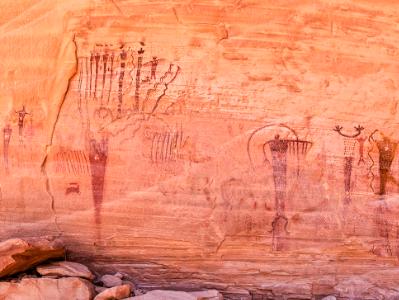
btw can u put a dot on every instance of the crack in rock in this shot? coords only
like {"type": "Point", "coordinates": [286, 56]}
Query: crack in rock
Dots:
{"type": "Point", "coordinates": [44, 162]}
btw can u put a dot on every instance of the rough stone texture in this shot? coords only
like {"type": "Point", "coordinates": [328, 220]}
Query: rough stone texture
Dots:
{"type": "Point", "coordinates": [65, 268]}
{"type": "Point", "coordinates": [179, 295]}
{"type": "Point", "coordinates": [99, 289]}
{"type": "Point", "coordinates": [207, 295]}
{"type": "Point", "coordinates": [189, 189]}
{"type": "Point", "coordinates": [115, 293]}
{"type": "Point", "coordinates": [46, 288]}
{"type": "Point", "coordinates": [110, 280]}
{"type": "Point", "coordinates": [166, 295]}
{"type": "Point", "coordinates": [131, 284]}
{"type": "Point", "coordinates": [18, 255]}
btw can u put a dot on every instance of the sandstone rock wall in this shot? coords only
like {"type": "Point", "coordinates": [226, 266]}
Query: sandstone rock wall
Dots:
{"type": "Point", "coordinates": [196, 142]}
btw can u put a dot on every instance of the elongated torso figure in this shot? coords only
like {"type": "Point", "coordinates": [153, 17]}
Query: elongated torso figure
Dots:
{"type": "Point", "coordinates": [387, 149]}
{"type": "Point", "coordinates": [278, 149]}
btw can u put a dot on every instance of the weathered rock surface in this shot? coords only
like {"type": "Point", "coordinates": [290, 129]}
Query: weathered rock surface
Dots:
{"type": "Point", "coordinates": [18, 255]}
{"type": "Point", "coordinates": [207, 295]}
{"type": "Point", "coordinates": [99, 289]}
{"type": "Point", "coordinates": [131, 284]}
{"type": "Point", "coordinates": [67, 288]}
{"type": "Point", "coordinates": [180, 295]}
{"type": "Point", "coordinates": [138, 292]}
{"type": "Point", "coordinates": [111, 280]}
{"type": "Point", "coordinates": [166, 295]}
{"type": "Point", "coordinates": [115, 293]}
{"type": "Point", "coordinates": [194, 144]}
{"type": "Point", "coordinates": [65, 268]}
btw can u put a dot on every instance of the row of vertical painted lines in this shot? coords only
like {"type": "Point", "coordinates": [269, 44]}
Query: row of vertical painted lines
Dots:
{"type": "Point", "coordinates": [166, 146]}
{"type": "Point", "coordinates": [72, 162]}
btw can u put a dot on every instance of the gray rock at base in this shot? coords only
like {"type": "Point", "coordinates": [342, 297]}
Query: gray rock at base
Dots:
{"type": "Point", "coordinates": [138, 292]}
{"type": "Point", "coordinates": [99, 289]}
{"type": "Point", "coordinates": [110, 281]}
{"type": "Point", "coordinates": [208, 295]}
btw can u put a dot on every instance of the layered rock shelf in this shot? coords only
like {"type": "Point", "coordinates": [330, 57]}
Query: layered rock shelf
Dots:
{"type": "Point", "coordinates": [247, 148]}
{"type": "Point", "coordinates": [66, 280]}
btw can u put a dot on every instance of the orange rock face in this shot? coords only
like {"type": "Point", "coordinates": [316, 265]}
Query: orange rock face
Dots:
{"type": "Point", "coordinates": [47, 288]}
{"type": "Point", "coordinates": [64, 269]}
{"type": "Point", "coordinates": [18, 255]}
{"type": "Point", "coordinates": [247, 146]}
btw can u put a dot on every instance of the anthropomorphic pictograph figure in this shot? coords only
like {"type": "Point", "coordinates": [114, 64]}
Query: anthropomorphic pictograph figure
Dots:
{"type": "Point", "coordinates": [105, 61]}
{"type": "Point", "coordinates": [387, 150]}
{"type": "Point", "coordinates": [111, 72]}
{"type": "Point", "coordinates": [361, 141]}
{"type": "Point", "coordinates": [98, 156]}
{"type": "Point", "coordinates": [91, 71]}
{"type": "Point", "coordinates": [349, 154]}
{"type": "Point", "coordinates": [383, 230]}
{"type": "Point", "coordinates": [154, 64]}
{"type": "Point", "coordinates": [112, 107]}
{"type": "Point", "coordinates": [386, 154]}
{"type": "Point", "coordinates": [97, 57]}
{"type": "Point", "coordinates": [280, 149]}
{"type": "Point", "coordinates": [21, 122]}
{"type": "Point", "coordinates": [138, 76]}
{"type": "Point", "coordinates": [123, 57]}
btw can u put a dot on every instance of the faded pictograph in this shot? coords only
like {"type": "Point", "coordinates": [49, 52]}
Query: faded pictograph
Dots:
{"type": "Point", "coordinates": [360, 141]}
{"type": "Point", "coordinates": [383, 227]}
{"type": "Point", "coordinates": [200, 188]}
{"type": "Point", "coordinates": [114, 99]}
{"type": "Point", "coordinates": [98, 156]}
{"type": "Point", "coordinates": [71, 162]}
{"type": "Point", "coordinates": [244, 206]}
{"type": "Point", "coordinates": [168, 145]}
{"type": "Point", "coordinates": [154, 64]}
{"type": "Point", "coordinates": [239, 194]}
{"type": "Point", "coordinates": [386, 154]}
{"type": "Point", "coordinates": [284, 149]}
{"type": "Point", "coordinates": [72, 188]}
{"type": "Point", "coordinates": [350, 142]}
{"type": "Point", "coordinates": [7, 132]}
{"type": "Point", "coordinates": [21, 123]}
